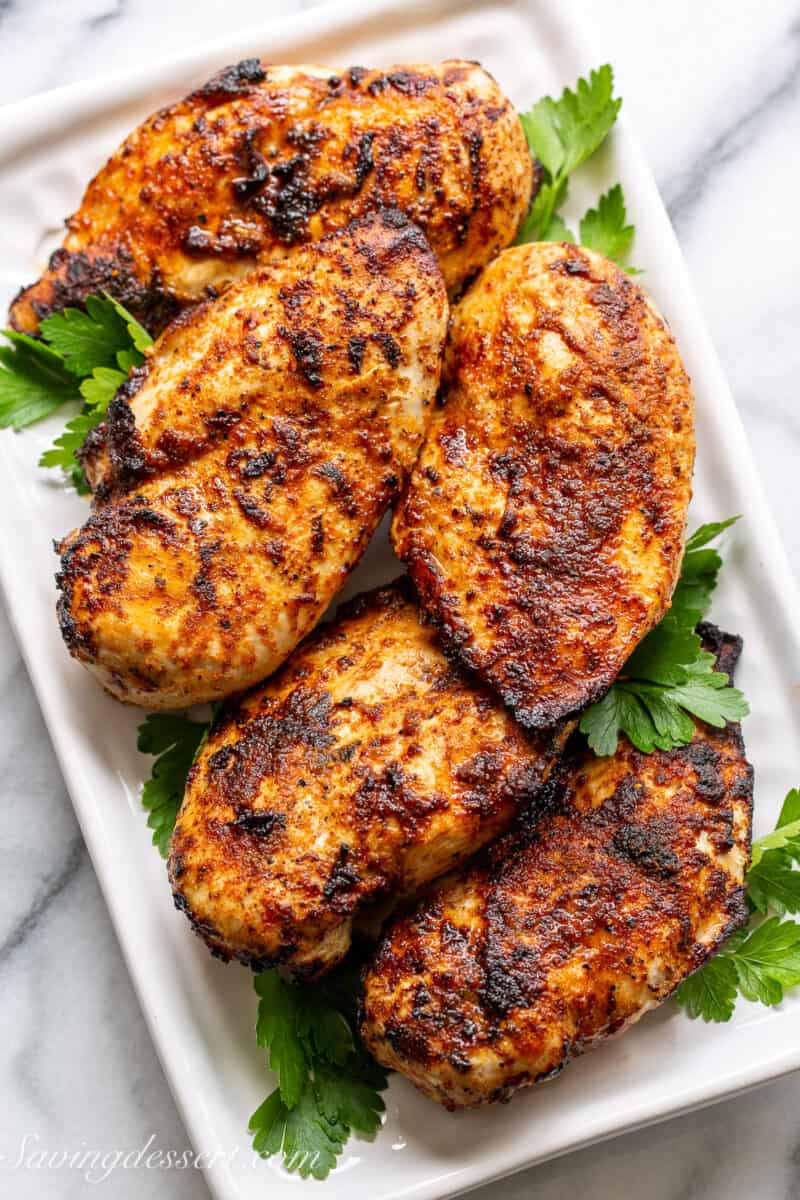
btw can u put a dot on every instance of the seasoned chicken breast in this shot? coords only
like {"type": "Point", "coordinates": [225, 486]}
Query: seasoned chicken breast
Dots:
{"type": "Point", "coordinates": [621, 881]}
{"type": "Point", "coordinates": [249, 462]}
{"type": "Point", "coordinates": [543, 524]}
{"type": "Point", "coordinates": [262, 157]}
{"type": "Point", "coordinates": [365, 768]}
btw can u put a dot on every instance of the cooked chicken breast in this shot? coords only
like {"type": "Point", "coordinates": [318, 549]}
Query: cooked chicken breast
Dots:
{"type": "Point", "coordinates": [622, 881]}
{"type": "Point", "coordinates": [264, 157]}
{"type": "Point", "coordinates": [367, 767]}
{"type": "Point", "coordinates": [250, 460]}
{"type": "Point", "coordinates": [544, 521]}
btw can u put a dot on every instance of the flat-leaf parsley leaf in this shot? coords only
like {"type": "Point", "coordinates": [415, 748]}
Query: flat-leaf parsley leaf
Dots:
{"type": "Point", "coordinates": [605, 228]}
{"type": "Point", "coordinates": [561, 135]}
{"type": "Point", "coordinates": [175, 741]}
{"type": "Point", "coordinates": [328, 1086]}
{"type": "Point", "coordinates": [759, 962]}
{"type": "Point", "coordinates": [34, 381]}
{"type": "Point", "coordinates": [83, 354]}
{"type": "Point", "coordinates": [669, 680]}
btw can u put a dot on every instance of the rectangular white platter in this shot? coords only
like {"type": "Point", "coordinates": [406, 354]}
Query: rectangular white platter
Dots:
{"type": "Point", "coordinates": [200, 1012]}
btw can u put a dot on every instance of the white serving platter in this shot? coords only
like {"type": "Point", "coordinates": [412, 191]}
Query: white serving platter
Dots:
{"type": "Point", "coordinates": [201, 1013]}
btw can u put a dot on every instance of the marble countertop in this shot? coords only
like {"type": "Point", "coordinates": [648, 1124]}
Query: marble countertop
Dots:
{"type": "Point", "coordinates": [714, 93]}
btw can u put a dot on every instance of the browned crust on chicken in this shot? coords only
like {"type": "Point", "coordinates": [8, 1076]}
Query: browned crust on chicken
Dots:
{"type": "Point", "coordinates": [367, 767]}
{"type": "Point", "coordinates": [248, 464]}
{"type": "Point", "coordinates": [625, 879]}
{"type": "Point", "coordinates": [544, 520]}
{"type": "Point", "coordinates": [262, 158]}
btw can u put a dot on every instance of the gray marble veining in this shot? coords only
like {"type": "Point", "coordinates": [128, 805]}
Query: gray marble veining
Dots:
{"type": "Point", "coordinates": [713, 92]}
{"type": "Point", "coordinates": [744, 124]}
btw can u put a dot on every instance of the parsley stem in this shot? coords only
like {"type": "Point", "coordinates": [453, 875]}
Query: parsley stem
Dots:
{"type": "Point", "coordinates": [774, 840]}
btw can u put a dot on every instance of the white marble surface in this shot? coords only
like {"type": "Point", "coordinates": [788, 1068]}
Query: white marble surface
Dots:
{"type": "Point", "coordinates": [714, 92]}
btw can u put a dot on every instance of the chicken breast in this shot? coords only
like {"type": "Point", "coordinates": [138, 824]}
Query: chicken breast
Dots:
{"type": "Point", "coordinates": [262, 157]}
{"type": "Point", "coordinates": [543, 524]}
{"type": "Point", "coordinates": [250, 460]}
{"type": "Point", "coordinates": [623, 880]}
{"type": "Point", "coordinates": [367, 767]}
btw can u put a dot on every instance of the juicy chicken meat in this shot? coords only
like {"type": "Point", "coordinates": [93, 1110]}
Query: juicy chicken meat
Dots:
{"type": "Point", "coordinates": [544, 521]}
{"type": "Point", "coordinates": [249, 461]}
{"type": "Point", "coordinates": [623, 880]}
{"type": "Point", "coordinates": [261, 158]}
{"type": "Point", "coordinates": [365, 768]}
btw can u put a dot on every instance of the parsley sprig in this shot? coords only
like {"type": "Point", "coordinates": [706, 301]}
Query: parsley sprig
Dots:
{"type": "Point", "coordinates": [606, 229]}
{"type": "Point", "coordinates": [175, 741]}
{"type": "Point", "coordinates": [33, 381]}
{"type": "Point", "coordinates": [669, 680]}
{"type": "Point", "coordinates": [763, 960]}
{"type": "Point", "coordinates": [83, 356]}
{"type": "Point", "coordinates": [562, 134]}
{"type": "Point", "coordinates": [328, 1086]}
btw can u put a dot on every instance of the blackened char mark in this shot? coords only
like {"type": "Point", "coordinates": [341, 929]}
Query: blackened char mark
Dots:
{"type": "Point", "coordinates": [709, 780]}
{"type": "Point", "coordinates": [76, 275]}
{"type": "Point", "coordinates": [203, 585]}
{"type": "Point", "coordinates": [263, 823]}
{"type": "Point", "coordinates": [317, 535]}
{"type": "Point", "coordinates": [288, 199]}
{"type": "Point", "coordinates": [307, 137]}
{"type": "Point", "coordinates": [254, 164]}
{"type": "Point", "coordinates": [301, 724]}
{"type": "Point", "coordinates": [646, 847]}
{"type": "Point", "coordinates": [225, 244]}
{"type": "Point", "coordinates": [307, 348]}
{"type": "Point", "coordinates": [408, 83]}
{"type": "Point", "coordinates": [501, 990]}
{"type": "Point", "coordinates": [355, 353]}
{"type": "Point", "coordinates": [151, 519]}
{"type": "Point", "coordinates": [222, 420]}
{"type": "Point", "coordinates": [364, 160]}
{"type": "Point", "coordinates": [726, 647]}
{"type": "Point", "coordinates": [389, 796]}
{"type": "Point", "coordinates": [254, 468]}
{"type": "Point", "coordinates": [287, 195]}
{"type": "Point", "coordinates": [389, 348]}
{"type": "Point", "coordinates": [340, 486]}
{"type": "Point", "coordinates": [126, 454]}
{"type": "Point", "coordinates": [232, 80]}
{"type": "Point", "coordinates": [251, 510]}
{"type": "Point", "coordinates": [341, 883]}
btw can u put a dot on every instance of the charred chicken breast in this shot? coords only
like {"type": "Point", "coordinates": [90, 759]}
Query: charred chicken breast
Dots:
{"type": "Point", "coordinates": [544, 520]}
{"type": "Point", "coordinates": [588, 913]}
{"type": "Point", "coordinates": [365, 768]}
{"type": "Point", "coordinates": [262, 158]}
{"type": "Point", "coordinates": [248, 463]}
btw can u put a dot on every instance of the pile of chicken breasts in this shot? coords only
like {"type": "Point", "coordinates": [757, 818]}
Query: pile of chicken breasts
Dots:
{"type": "Point", "coordinates": [345, 327]}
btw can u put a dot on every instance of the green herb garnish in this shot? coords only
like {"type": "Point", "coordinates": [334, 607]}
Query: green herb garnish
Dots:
{"type": "Point", "coordinates": [562, 134]}
{"type": "Point", "coordinates": [763, 960]}
{"type": "Point", "coordinates": [33, 381]}
{"type": "Point", "coordinates": [605, 228]}
{"type": "Point", "coordinates": [176, 741]}
{"type": "Point", "coordinates": [669, 680]}
{"type": "Point", "coordinates": [82, 356]}
{"type": "Point", "coordinates": [328, 1086]}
